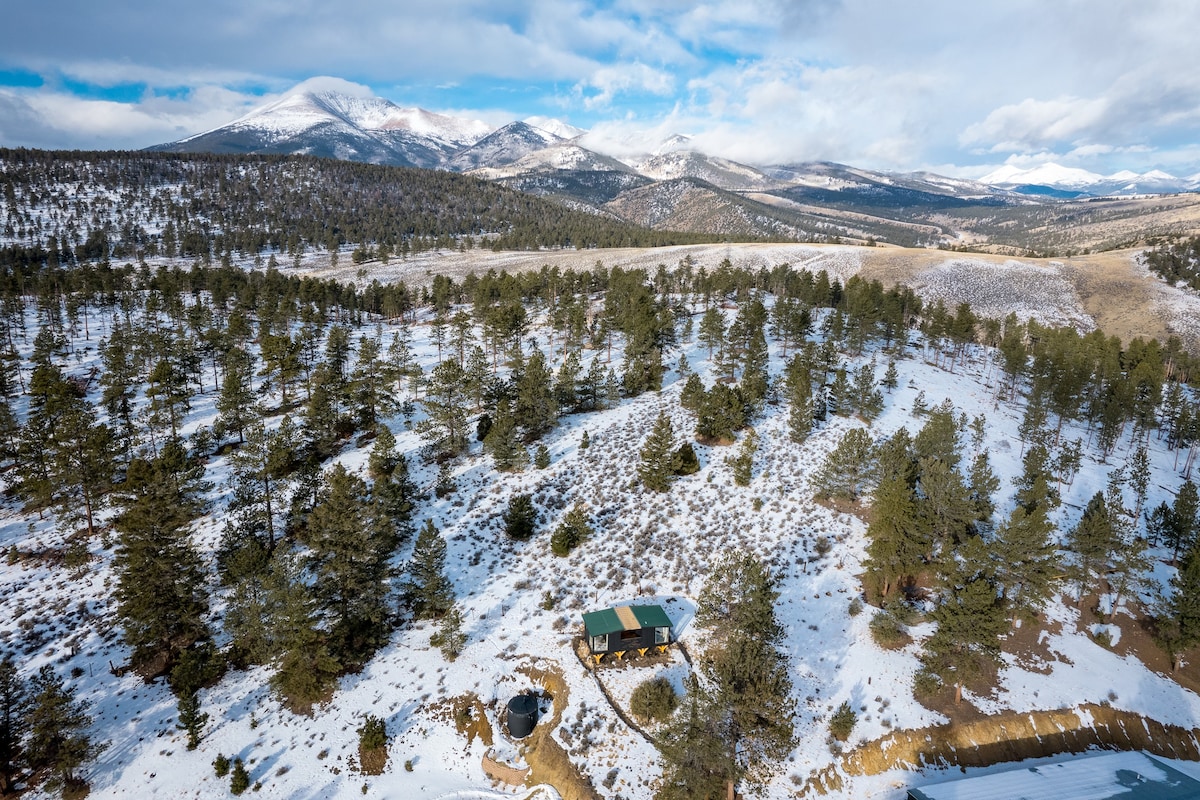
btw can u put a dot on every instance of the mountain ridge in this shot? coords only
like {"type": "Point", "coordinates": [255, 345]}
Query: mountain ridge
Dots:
{"type": "Point", "coordinates": [329, 116]}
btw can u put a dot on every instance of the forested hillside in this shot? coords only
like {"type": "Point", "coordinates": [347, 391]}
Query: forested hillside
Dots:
{"type": "Point", "coordinates": [66, 207]}
{"type": "Point", "coordinates": [329, 525]}
{"type": "Point", "coordinates": [1177, 262]}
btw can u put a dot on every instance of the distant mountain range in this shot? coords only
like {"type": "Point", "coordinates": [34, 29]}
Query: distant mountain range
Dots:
{"type": "Point", "coordinates": [1073, 182]}
{"type": "Point", "coordinates": [335, 119]}
{"type": "Point", "coordinates": [676, 187]}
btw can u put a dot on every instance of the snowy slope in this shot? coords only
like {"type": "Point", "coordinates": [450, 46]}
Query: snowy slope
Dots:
{"type": "Point", "coordinates": [503, 146]}
{"type": "Point", "coordinates": [720, 172]}
{"type": "Point", "coordinates": [649, 547]}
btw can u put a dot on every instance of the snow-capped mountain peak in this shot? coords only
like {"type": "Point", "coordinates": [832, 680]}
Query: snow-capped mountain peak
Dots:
{"type": "Point", "coordinates": [555, 126]}
{"type": "Point", "coordinates": [1049, 174]}
{"type": "Point", "coordinates": [673, 143]}
{"type": "Point", "coordinates": [311, 102]}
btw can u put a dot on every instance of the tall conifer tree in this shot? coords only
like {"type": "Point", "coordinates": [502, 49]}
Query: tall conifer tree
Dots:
{"type": "Point", "coordinates": [161, 591]}
{"type": "Point", "coordinates": [428, 591]}
{"type": "Point", "coordinates": [659, 456]}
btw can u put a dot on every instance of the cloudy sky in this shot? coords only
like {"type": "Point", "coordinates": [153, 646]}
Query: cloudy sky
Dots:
{"type": "Point", "coordinates": [956, 87]}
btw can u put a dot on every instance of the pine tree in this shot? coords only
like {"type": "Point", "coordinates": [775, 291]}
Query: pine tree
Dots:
{"type": "Point", "coordinates": [262, 469]}
{"type": "Point", "coordinates": [449, 637]}
{"type": "Point", "coordinates": [800, 412]}
{"type": "Point", "coordinates": [14, 722]}
{"type": "Point", "coordinates": [612, 390]}
{"type": "Point", "coordinates": [1034, 486]}
{"type": "Point", "coordinates": [58, 741]}
{"type": "Point", "coordinates": [1131, 567]}
{"type": "Point", "coordinates": [520, 517]}
{"type": "Point", "coordinates": [324, 423]}
{"type": "Point", "coordinates": [970, 620]}
{"type": "Point", "coordinates": [445, 484]}
{"type": "Point", "coordinates": [195, 669]}
{"type": "Point", "coordinates": [566, 382]}
{"type": "Point", "coordinates": [938, 439]}
{"type": "Point", "coordinates": [393, 490]}
{"type": "Point", "coordinates": [1179, 624]}
{"type": "Point", "coordinates": [983, 484]}
{"type": "Point", "coordinates": [235, 404]}
{"type": "Point", "coordinates": [712, 330]}
{"type": "Point", "coordinates": [1139, 478]}
{"type": "Point", "coordinates": [745, 673]}
{"type": "Point", "coordinates": [239, 779]}
{"type": "Point", "coordinates": [841, 397]}
{"type": "Point", "coordinates": [167, 389]}
{"type": "Point", "coordinates": [659, 456]}
{"type": "Point", "coordinates": [946, 504]}
{"type": "Point", "coordinates": [723, 410]}
{"type": "Point", "coordinates": [897, 537]}
{"type": "Point", "coordinates": [368, 387]}
{"type": "Point", "coordinates": [445, 402]}
{"type": "Point", "coordinates": [691, 397]}
{"type": "Point", "coordinates": [891, 378]}
{"type": "Point", "coordinates": [755, 380]}
{"type": "Point", "coordinates": [847, 469]}
{"type": "Point", "coordinates": [305, 669]}
{"type": "Point", "coordinates": [867, 398]}
{"type": "Point", "coordinates": [697, 762]}
{"type": "Point", "coordinates": [428, 591]}
{"type": "Point", "coordinates": [348, 557]}
{"type": "Point", "coordinates": [120, 380]}
{"type": "Point", "coordinates": [590, 395]}
{"type": "Point", "coordinates": [689, 464]}
{"type": "Point", "coordinates": [503, 443]}
{"type": "Point", "coordinates": [1184, 520]}
{"type": "Point", "coordinates": [161, 594]}
{"type": "Point", "coordinates": [535, 407]}
{"type": "Point", "coordinates": [1093, 541]}
{"type": "Point", "coordinates": [1025, 560]}
{"type": "Point", "coordinates": [541, 458]}
{"type": "Point", "coordinates": [64, 455]}
{"type": "Point", "coordinates": [743, 463]}
{"type": "Point", "coordinates": [571, 532]}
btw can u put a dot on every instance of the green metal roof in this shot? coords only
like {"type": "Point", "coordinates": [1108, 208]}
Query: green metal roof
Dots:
{"type": "Point", "coordinates": [598, 623]}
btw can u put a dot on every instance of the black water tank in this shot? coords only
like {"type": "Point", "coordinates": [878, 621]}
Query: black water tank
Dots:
{"type": "Point", "coordinates": [522, 715]}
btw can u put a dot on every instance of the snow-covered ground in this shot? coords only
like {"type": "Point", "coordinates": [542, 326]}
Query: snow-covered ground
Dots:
{"type": "Point", "coordinates": [648, 547]}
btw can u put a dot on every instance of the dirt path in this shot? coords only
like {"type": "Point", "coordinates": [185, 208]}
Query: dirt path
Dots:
{"type": "Point", "coordinates": [548, 761]}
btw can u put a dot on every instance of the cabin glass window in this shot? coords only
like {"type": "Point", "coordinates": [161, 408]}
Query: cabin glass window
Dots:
{"type": "Point", "coordinates": [662, 635]}
{"type": "Point", "coordinates": [600, 643]}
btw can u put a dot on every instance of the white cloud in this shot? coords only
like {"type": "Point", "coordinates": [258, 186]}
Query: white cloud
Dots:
{"type": "Point", "coordinates": [65, 120]}
{"type": "Point", "coordinates": [1034, 124]}
{"type": "Point", "coordinates": [876, 82]}
{"type": "Point", "coordinates": [600, 88]}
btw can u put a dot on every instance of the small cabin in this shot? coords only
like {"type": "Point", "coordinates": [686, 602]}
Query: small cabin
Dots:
{"type": "Point", "coordinates": [626, 630]}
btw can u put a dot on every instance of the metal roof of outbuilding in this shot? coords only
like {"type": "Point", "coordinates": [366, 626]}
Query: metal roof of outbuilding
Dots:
{"type": "Point", "coordinates": [1127, 776]}
{"type": "Point", "coordinates": [624, 618]}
